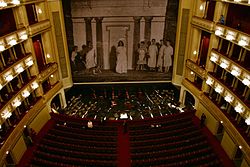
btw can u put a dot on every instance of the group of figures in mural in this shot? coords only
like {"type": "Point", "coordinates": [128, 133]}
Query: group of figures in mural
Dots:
{"type": "Point", "coordinates": [151, 56]}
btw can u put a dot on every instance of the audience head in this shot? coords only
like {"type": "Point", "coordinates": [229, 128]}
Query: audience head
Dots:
{"type": "Point", "coordinates": [75, 48]}
{"type": "Point", "coordinates": [89, 44]}
{"type": "Point", "coordinates": [153, 41]}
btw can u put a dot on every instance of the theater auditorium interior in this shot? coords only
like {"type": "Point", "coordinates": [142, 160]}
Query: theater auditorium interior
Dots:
{"type": "Point", "coordinates": [124, 83]}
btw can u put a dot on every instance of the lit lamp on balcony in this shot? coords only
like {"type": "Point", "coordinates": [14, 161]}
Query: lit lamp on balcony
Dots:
{"type": "Point", "coordinates": [237, 0]}
{"type": "Point", "coordinates": [235, 71]}
{"type": "Point", "coordinates": [1, 86]}
{"type": "Point", "coordinates": [29, 62]}
{"type": "Point", "coordinates": [34, 85]}
{"type": "Point", "coordinates": [219, 89]}
{"type": "Point", "coordinates": [239, 108]}
{"type": "Point", "coordinates": [2, 47]}
{"type": "Point", "coordinates": [3, 4]}
{"type": "Point", "coordinates": [209, 81]}
{"type": "Point", "coordinates": [16, 103]}
{"type": "Point", "coordinates": [230, 36]}
{"type": "Point", "coordinates": [214, 58]}
{"type": "Point", "coordinates": [19, 69]}
{"type": "Point", "coordinates": [8, 77]}
{"type": "Point", "coordinates": [12, 42]}
{"type": "Point", "coordinates": [229, 98]}
{"type": "Point", "coordinates": [243, 42]}
{"type": "Point", "coordinates": [25, 93]}
{"type": "Point", "coordinates": [23, 36]}
{"type": "Point", "coordinates": [223, 64]}
{"type": "Point", "coordinates": [248, 121]}
{"type": "Point", "coordinates": [218, 32]}
{"type": "Point", "coordinates": [6, 114]}
{"type": "Point", "coordinates": [15, 2]}
{"type": "Point", "coordinates": [246, 82]}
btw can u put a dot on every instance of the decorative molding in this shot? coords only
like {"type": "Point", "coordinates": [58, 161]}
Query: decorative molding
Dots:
{"type": "Point", "coordinates": [203, 24]}
{"type": "Point", "coordinates": [190, 86]}
{"type": "Point", "coordinates": [47, 72]}
{"type": "Point", "coordinates": [38, 27]}
{"type": "Point", "coordinates": [195, 68]}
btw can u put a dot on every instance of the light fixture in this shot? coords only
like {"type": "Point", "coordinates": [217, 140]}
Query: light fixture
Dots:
{"type": "Point", "coordinates": [229, 98]}
{"type": "Point", "coordinates": [195, 52]}
{"type": "Point", "coordinates": [214, 57]}
{"type": "Point", "coordinates": [16, 102]}
{"type": "Point", "coordinates": [246, 81]}
{"type": "Point", "coordinates": [48, 56]}
{"type": "Point", "coordinates": [223, 65]}
{"type": "Point", "coordinates": [12, 42]}
{"type": "Point", "coordinates": [201, 7]}
{"type": "Point", "coordinates": [209, 81]}
{"type": "Point", "coordinates": [191, 72]}
{"type": "Point", "coordinates": [248, 1]}
{"type": "Point", "coordinates": [15, 2]}
{"type": "Point", "coordinates": [239, 108]}
{"type": "Point", "coordinates": [237, 0]}
{"type": "Point", "coordinates": [221, 122]}
{"type": "Point", "coordinates": [6, 114]}
{"type": "Point", "coordinates": [1, 86]}
{"type": "Point", "coordinates": [34, 85]}
{"type": "Point", "coordinates": [3, 4]}
{"type": "Point", "coordinates": [51, 75]}
{"type": "Point", "coordinates": [25, 93]}
{"type": "Point", "coordinates": [19, 69]}
{"type": "Point", "coordinates": [29, 62]}
{"type": "Point", "coordinates": [230, 37]}
{"type": "Point", "coordinates": [240, 147]}
{"type": "Point", "coordinates": [248, 121]}
{"type": "Point", "coordinates": [2, 47]}
{"type": "Point", "coordinates": [218, 89]}
{"type": "Point", "coordinates": [24, 36]}
{"type": "Point", "coordinates": [235, 72]}
{"type": "Point", "coordinates": [39, 11]}
{"type": "Point", "coordinates": [8, 77]}
{"type": "Point", "coordinates": [218, 32]}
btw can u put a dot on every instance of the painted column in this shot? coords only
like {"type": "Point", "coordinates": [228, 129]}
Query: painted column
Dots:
{"type": "Point", "coordinates": [88, 28]}
{"type": "Point", "coordinates": [137, 20]}
{"type": "Point", "coordinates": [99, 41]}
{"type": "Point", "coordinates": [147, 33]}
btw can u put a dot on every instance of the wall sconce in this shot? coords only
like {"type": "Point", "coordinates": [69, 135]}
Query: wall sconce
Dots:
{"type": "Point", "coordinates": [1, 86]}
{"type": "Point", "coordinates": [34, 85]}
{"type": "Point", "coordinates": [239, 108]}
{"type": "Point", "coordinates": [194, 52]}
{"type": "Point", "coordinates": [16, 103]}
{"type": "Point", "coordinates": [19, 69]}
{"type": "Point", "coordinates": [209, 81]}
{"type": "Point", "coordinates": [223, 64]}
{"type": "Point", "coordinates": [235, 71]}
{"type": "Point", "coordinates": [2, 47]}
{"type": "Point", "coordinates": [201, 7]}
{"type": "Point", "coordinates": [25, 93]}
{"type": "Point", "coordinates": [48, 56]}
{"type": "Point", "coordinates": [6, 114]}
{"type": "Point", "coordinates": [237, 0]}
{"type": "Point", "coordinates": [8, 77]}
{"type": "Point", "coordinates": [190, 73]}
{"type": "Point", "coordinates": [229, 98]}
{"type": "Point", "coordinates": [15, 2]}
{"type": "Point", "coordinates": [39, 11]}
{"type": "Point", "coordinates": [12, 42]}
{"type": "Point", "coordinates": [3, 4]}
{"type": "Point", "coordinates": [219, 89]}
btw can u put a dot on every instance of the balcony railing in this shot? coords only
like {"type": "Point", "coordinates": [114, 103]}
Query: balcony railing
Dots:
{"type": "Point", "coordinates": [52, 67]}
{"type": "Point", "coordinates": [203, 24]}
{"type": "Point", "coordinates": [196, 69]}
{"type": "Point", "coordinates": [39, 27]}
{"type": "Point", "coordinates": [190, 86]}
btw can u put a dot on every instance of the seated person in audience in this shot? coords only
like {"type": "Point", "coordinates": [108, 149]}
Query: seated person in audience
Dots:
{"type": "Point", "coordinates": [90, 124]}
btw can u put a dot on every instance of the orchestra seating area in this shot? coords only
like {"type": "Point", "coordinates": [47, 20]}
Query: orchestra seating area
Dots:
{"type": "Point", "coordinates": [170, 140]}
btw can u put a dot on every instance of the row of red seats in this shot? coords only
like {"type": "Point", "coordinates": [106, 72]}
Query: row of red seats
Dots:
{"type": "Point", "coordinates": [79, 147]}
{"type": "Point", "coordinates": [73, 161]}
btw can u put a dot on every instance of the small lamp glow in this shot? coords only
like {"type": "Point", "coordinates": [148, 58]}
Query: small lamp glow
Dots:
{"type": "Point", "coordinates": [34, 85]}
{"type": "Point", "coordinates": [248, 121]}
{"type": "Point", "coordinates": [12, 42]}
{"type": "Point", "coordinates": [229, 98]}
{"type": "Point", "coordinates": [223, 65]}
{"type": "Point", "coordinates": [19, 69]}
{"type": "Point", "coordinates": [48, 56]}
{"type": "Point", "coordinates": [25, 93]}
{"type": "Point", "coordinates": [218, 32]}
{"type": "Point", "coordinates": [15, 2]}
{"type": "Point", "coordinates": [209, 81]}
{"type": "Point", "coordinates": [8, 77]}
{"type": "Point", "coordinates": [2, 47]}
{"type": "Point", "coordinates": [230, 37]}
{"type": "Point", "coordinates": [218, 89]}
{"type": "Point", "coordinates": [24, 36]}
{"type": "Point", "coordinates": [246, 82]}
{"type": "Point", "coordinates": [29, 63]}
{"type": "Point", "coordinates": [239, 108]}
{"type": "Point", "coordinates": [3, 4]}
{"type": "Point", "coordinates": [235, 72]}
{"type": "Point", "coordinates": [16, 103]}
{"type": "Point", "coordinates": [39, 11]}
{"type": "Point", "coordinates": [1, 86]}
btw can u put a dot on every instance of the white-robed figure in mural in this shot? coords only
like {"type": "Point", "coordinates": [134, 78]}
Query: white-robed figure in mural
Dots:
{"type": "Point", "coordinates": [161, 56]}
{"type": "Point", "coordinates": [167, 58]}
{"type": "Point", "coordinates": [121, 58]}
{"type": "Point", "coordinates": [152, 51]}
{"type": "Point", "coordinates": [91, 59]}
